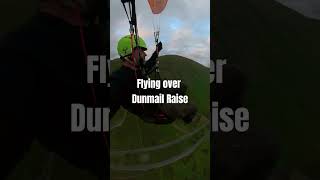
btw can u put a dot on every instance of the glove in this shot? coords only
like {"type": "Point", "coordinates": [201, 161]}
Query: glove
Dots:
{"type": "Point", "coordinates": [159, 46]}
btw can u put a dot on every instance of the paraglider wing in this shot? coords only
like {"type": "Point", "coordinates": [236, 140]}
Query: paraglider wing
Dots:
{"type": "Point", "coordinates": [157, 6]}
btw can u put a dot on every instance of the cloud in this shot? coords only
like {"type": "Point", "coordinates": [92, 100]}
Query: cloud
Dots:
{"type": "Point", "coordinates": [184, 28]}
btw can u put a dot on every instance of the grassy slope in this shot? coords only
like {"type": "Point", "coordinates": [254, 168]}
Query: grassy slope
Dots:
{"type": "Point", "coordinates": [35, 165]}
{"type": "Point", "coordinates": [197, 79]}
{"type": "Point", "coordinates": [277, 49]}
{"type": "Point", "coordinates": [191, 73]}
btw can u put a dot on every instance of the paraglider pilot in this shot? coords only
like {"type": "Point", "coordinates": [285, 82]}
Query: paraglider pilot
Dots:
{"type": "Point", "coordinates": [123, 85]}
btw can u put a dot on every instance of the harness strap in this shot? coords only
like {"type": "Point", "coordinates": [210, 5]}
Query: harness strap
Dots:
{"type": "Point", "coordinates": [130, 64]}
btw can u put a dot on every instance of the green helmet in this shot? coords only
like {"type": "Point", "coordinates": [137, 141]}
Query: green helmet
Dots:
{"type": "Point", "coordinates": [124, 45]}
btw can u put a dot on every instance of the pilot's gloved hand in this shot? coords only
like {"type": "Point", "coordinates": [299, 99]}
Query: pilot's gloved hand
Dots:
{"type": "Point", "coordinates": [159, 46]}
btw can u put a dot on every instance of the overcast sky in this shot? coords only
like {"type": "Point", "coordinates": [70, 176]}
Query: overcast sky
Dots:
{"type": "Point", "coordinates": [184, 28]}
{"type": "Point", "coordinates": [185, 25]}
{"type": "Point", "coordinates": [309, 8]}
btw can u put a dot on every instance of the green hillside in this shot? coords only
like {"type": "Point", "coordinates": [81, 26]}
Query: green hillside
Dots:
{"type": "Point", "coordinates": [195, 75]}
{"type": "Point", "coordinates": [39, 163]}
{"type": "Point", "coordinates": [278, 50]}
{"type": "Point", "coordinates": [135, 134]}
